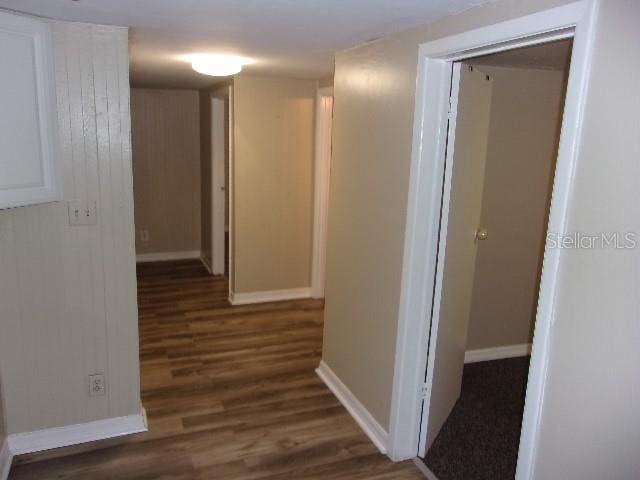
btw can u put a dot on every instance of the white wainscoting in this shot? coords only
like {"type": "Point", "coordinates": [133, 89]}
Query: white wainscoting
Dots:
{"type": "Point", "coordinates": [360, 414]}
{"type": "Point", "coordinates": [497, 353]}
{"type": "Point", "coordinates": [269, 296]}
{"type": "Point", "coordinates": [29, 442]}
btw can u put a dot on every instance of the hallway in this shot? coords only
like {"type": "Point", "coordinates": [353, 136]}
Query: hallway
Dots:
{"type": "Point", "coordinates": [230, 393]}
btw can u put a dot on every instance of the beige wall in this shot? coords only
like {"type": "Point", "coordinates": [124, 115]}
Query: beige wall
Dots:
{"type": "Point", "coordinates": [589, 428]}
{"type": "Point", "coordinates": [273, 182]}
{"type": "Point", "coordinates": [166, 169]}
{"type": "Point", "coordinates": [523, 136]}
{"type": "Point", "coordinates": [68, 294]}
{"type": "Point", "coordinates": [374, 89]}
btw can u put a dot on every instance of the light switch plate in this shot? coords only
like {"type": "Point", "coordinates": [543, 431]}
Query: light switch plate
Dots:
{"type": "Point", "coordinates": [82, 213]}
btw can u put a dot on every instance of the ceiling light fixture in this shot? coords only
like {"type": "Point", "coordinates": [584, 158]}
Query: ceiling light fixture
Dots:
{"type": "Point", "coordinates": [217, 65]}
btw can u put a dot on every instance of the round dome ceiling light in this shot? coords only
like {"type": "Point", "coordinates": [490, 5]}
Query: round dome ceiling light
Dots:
{"type": "Point", "coordinates": [217, 65]}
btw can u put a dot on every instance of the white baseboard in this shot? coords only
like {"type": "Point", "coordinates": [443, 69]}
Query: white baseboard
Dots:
{"type": "Point", "coordinates": [207, 264]}
{"type": "Point", "coordinates": [497, 353]}
{"type": "Point", "coordinates": [6, 458]}
{"type": "Point", "coordinates": [426, 471]}
{"type": "Point", "coordinates": [270, 296]}
{"type": "Point", "coordinates": [360, 414]}
{"type": "Point", "coordinates": [29, 442]}
{"type": "Point", "coordinates": [165, 256]}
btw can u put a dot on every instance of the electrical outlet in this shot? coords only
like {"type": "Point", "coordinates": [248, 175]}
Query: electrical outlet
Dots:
{"type": "Point", "coordinates": [82, 213]}
{"type": "Point", "coordinates": [144, 235]}
{"type": "Point", "coordinates": [97, 386]}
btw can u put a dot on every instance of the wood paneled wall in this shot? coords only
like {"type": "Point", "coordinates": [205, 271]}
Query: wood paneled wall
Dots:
{"type": "Point", "coordinates": [166, 169]}
{"type": "Point", "coordinates": [68, 294]}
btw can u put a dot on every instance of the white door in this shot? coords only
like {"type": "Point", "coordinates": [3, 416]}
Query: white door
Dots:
{"type": "Point", "coordinates": [461, 207]}
{"type": "Point", "coordinates": [218, 182]}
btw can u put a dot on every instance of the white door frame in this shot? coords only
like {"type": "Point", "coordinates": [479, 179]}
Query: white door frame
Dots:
{"type": "Point", "coordinates": [218, 194]}
{"type": "Point", "coordinates": [435, 61]}
{"type": "Point", "coordinates": [217, 168]}
{"type": "Point", "coordinates": [322, 167]}
{"type": "Point", "coordinates": [230, 180]}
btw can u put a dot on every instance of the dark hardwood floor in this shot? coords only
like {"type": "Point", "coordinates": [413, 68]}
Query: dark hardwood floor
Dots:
{"type": "Point", "coordinates": [230, 393]}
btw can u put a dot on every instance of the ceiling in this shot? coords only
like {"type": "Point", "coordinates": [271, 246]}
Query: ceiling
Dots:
{"type": "Point", "coordinates": [281, 37]}
{"type": "Point", "coordinates": [548, 56]}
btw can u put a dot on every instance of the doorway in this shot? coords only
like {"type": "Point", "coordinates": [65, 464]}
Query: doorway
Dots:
{"type": "Point", "coordinates": [501, 152]}
{"type": "Point", "coordinates": [216, 245]}
{"type": "Point", "coordinates": [322, 170]}
{"type": "Point", "coordinates": [417, 334]}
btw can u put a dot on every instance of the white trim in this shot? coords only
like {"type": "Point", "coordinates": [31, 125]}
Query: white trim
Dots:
{"type": "Point", "coordinates": [218, 194]}
{"type": "Point", "coordinates": [322, 168]}
{"type": "Point", "coordinates": [206, 263]}
{"type": "Point", "coordinates": [231, 173]}
{"type": "Point", "coordinates": [21, 443]}
{"type": "Point", "coordinates": [421, 241]}
{"type": "Point", "coordinates": [6, 457]}
{"type": "Point", "coordinates": [497, 353]}
{"type": "Point", "coordinates": [360, 414]}
{"type": "Point", "coordinates": [574, 107]}
{"type": "Point", "coordinates": [165, 256]}
{"type": "Point", "coordinates": [423, 211]}
{"type": "Point", "coordinates": [426, 471]}
{"type": "Point", "coordinates": [269, 296]}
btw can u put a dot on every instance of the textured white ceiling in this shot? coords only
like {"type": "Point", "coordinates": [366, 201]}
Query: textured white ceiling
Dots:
{"type": "Point", "coordinates": [282, 37]}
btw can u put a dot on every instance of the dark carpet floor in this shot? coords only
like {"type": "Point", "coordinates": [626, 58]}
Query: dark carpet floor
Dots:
{"type": "Point", "coordinates": [479, 440]}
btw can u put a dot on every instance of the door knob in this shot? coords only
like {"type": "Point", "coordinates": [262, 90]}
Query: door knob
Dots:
{"type": "Point", "coordinates": [481, 234]}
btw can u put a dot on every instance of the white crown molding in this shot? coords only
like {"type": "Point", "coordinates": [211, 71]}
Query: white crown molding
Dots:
{"type": "Point", "coordinates": [497, 353]}
{"type": "Point", "coordinates": [165, 256]}
{"type": "Point", "coordinates": [360, 414]}
{"type": "Point", "coordinates": [269, 296]}
{"type": "Point", "coordinates": [39, 440]}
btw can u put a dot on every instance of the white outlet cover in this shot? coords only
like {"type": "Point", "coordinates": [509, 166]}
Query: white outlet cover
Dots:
{"type": "Point", "coordinates": [97, 386]}
{"type": "Point", "coordinates": [82, 213]}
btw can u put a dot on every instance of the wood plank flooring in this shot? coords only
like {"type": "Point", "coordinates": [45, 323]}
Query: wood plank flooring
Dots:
{"type": "Point", "coordinates": [230, 393]}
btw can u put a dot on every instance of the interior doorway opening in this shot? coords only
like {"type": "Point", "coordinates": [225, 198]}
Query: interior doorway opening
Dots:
{"type": "Point", "coordinates": [501, 153]}
{"type": "Point", "coordinates": [321, 174]}
{"type": "Point", "coordinates": [216, 242]}
{"type": "Point", "coordinates": [417, 334]}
